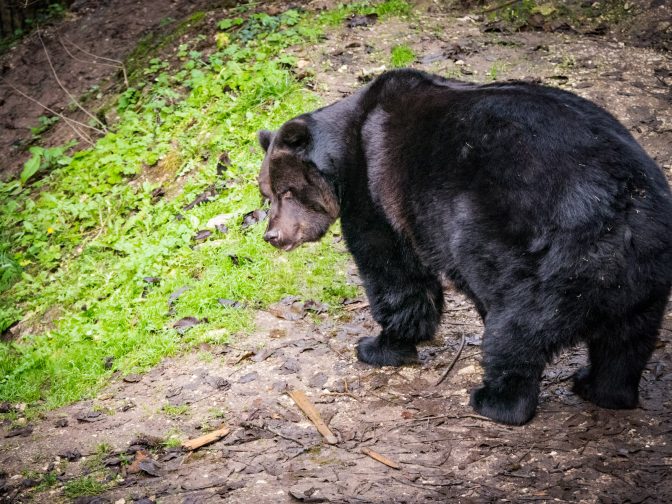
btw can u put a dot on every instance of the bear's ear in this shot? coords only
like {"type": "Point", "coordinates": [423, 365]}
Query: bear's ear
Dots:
{"type": "Point", "coordinates": [265, 138]}
{"type": "Point", "coordinates": [294, 134]}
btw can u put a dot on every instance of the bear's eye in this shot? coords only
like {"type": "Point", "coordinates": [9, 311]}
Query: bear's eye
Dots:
{"type": "Point", "coordinates": [287, 195]}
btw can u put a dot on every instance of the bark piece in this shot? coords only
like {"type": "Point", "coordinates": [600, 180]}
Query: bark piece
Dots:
{"type": "Point", "coordinates": [381, 458]}
{"type": "Point", "coordinates": [313, 415]}
{"type": "Point", "coordinates": [210, 437]}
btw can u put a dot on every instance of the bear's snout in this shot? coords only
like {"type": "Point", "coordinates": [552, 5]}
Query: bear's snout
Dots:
{"type": "Point", "coordinates": [271, 236]}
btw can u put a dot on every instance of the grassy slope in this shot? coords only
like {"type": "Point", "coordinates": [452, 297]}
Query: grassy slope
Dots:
{"type": "Point", "coordinates": [77, 244]}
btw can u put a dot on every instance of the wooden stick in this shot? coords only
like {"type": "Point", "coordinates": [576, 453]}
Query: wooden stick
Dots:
{"type": "Point", "coordinates": [210, 437]}
{"type": "Point", "coordinates": [70, 122]}
{"type": "Point", "coordinates": [359, 305]}
{"type": "Point", "coordinates": [70, 95]}
{"type": "Point", "coordinates": [452, 363]}
{"type": "Point", "coordinates": [313, 415]}
{"type": "Point", "coordinates": [381, 458]}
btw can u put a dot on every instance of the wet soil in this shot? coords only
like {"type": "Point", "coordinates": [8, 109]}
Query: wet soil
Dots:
{"type": "Point", "coordinates": [572, 451]}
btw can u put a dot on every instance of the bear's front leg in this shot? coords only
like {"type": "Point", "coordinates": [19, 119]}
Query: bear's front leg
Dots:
{"type": "Point", "coordinates": [514, 360]}
{"type": "Point", "coordinates": [405, 298]}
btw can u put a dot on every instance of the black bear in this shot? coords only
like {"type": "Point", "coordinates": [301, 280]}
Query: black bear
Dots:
{"type": "Point", "coordinates": [538, 204]}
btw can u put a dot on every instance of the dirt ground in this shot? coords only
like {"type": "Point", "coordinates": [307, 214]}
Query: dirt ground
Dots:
{"type": "Point", "coordinates": [571, 451]}
{"type": "Point", "coordinates": [108, 29]}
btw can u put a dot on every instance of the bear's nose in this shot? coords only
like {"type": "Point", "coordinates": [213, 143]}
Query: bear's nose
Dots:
{"type": "Point", "coordinates": [271, 235]}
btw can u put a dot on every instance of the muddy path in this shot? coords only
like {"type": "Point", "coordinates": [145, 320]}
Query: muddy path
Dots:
{"type": "Point", "coordinates": [571, 452]}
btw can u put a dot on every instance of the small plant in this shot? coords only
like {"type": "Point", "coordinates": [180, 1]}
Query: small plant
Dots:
{"type": "Point", "coordinates": [175, 411]}
{"type": "Point", "coordinates": [44, 158]}
{"type": "Point", "coordinates": [172, 442]}
{"type": "Point", "coordinates": [103, 448]}
{"type": "Point", "coordinates": [568, 62]}
{"type": "Point", "coordinates": [86, 486]}
{"type": "Point", "coordinates": [495, 70]}
{"type": "Point", "coordinates": [217, 413]}
{"type": "Point", "coordinates": [44, 123]}
{"type": "Point", "coordinates": [204, 356]}
{"type": "Point", "coordinates": [402, 55]}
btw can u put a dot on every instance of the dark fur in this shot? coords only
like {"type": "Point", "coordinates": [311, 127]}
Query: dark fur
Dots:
{"type": "Point", "coordinates": [538, 204]}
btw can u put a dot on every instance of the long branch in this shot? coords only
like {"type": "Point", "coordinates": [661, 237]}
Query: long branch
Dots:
{"type": "Point", "coordinates": [118, 63]}
{"type": "Point", "coordinates": [70, 122]}
{"type": "Point", "coordinates": [70, 95]}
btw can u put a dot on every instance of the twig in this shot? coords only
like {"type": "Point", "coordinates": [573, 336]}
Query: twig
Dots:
{"type": "Point", "coordinates": [313, 415]}
{"type": "Point", "coordinates": [452, 363]}
{"type": "Point", "coordinates": [211, 437]}
{"type": "Point", "coordinates": [497, 7]}
{"type": "Point", "coordinates": [249, 425]}
{"type": "Point", "coordinates": [70, 95]}
{"type": "Point", "coordinates": [381, 458]}
{"type": "Point", "coordinates": [70, 122]}
{"type": "Point", "coordinates": [117, 63]}
{"type": "Point", "coordinates": [454, 417]}
{"type": "Point", "coordinates": [360, 305]}
{"type": "Point", "coordinates": [288, 438]}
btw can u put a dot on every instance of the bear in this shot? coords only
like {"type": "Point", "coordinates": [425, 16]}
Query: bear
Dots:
{"type": "Point", "coordinates": [536, 203]}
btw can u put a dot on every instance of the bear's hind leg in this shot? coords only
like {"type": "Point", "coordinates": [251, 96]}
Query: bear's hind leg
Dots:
{"type": "Point", "coordinates": [408, 308]}
{"type": "Point", "coordinates": [618, 355]}
{"type": "Point", "coordinates": [514, 358]}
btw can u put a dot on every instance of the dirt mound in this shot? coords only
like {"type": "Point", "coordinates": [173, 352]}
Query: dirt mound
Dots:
{"type": "Point", "coordinates": [110, 30]}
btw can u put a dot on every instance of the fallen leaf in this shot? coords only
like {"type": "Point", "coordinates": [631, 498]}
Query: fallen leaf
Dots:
{"type": "Point", "coordinates": [108, 362]}
{"type": "Point", "coordinates": [174, 391]}
{"type": "Point", "coordinates": [89, 416]}
{"type": "Point", "coordinates": [290, 366]}
{"type": "Point", "coordinates": [223, 163]}
{"type": "Point", "coordinates": [219, 383]}
{"type": "Point", "coordinates": [186, 323]}
{"type": "Point", "coordinates": [175, 296]}
{"type": "Point", "coordinates": [315, 306]}
{"type": "Point", "coordinates": [202, 235]}
{"type": "Point", "coordinates": [21, 431]}
{"type": "Point", "coordinates": [318, 380]}
{"type": "Point", "coordinates": [263, 355]}
{"type": "Point", "coordinates": [289, 308]}
{"type": "Point", "coordinates": [70, 455]}
{"type": "Point", "coordinates": [253, 217]}
{"type": "Point", "coordinates": [231, 303]}
{"type": "Point", "coordinates": [206, 195]}
{"type": "Point", "coordinates": [150, 466]}
{"type": "Point", "coordinates": [366, 20]}
{"type": "Point", "coordinates": [248, 377]}
{"type": "Point", "coordinates": [157, 194]}
{"type": "Point", "coordinates": [134, 467]}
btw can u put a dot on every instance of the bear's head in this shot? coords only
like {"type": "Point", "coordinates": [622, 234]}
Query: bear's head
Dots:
{"type": "Point", "coordinates": [303, 202]}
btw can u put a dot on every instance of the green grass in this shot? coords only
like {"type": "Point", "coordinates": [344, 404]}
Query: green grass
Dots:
{"type": "Point", "coordinates": [81, 232]}
{"type": "Point", "coordinates": [175, 411]}
{"type": "Point", "coordinates": [401, 55]}
{"type": "Point", "coordinates": [85, 486]}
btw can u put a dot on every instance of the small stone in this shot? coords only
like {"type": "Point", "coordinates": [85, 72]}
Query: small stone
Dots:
{"type": "Point", "coordinates": [467, 370]}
